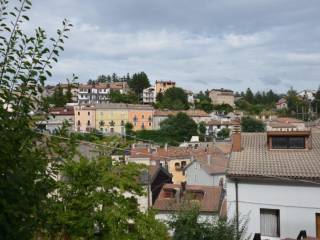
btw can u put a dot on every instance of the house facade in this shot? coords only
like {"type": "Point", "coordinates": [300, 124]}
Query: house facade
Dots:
{"type": "Point", "coordinates": [222, 96]}
{"type": "Point", "coordinates": [148, 95]}
{"type": "Point", "coordinates": [84, 118]}
{"type": "Point", "coordinates": [163, 86]}
{"type": "Point", "coordinates": [111, 118]}
{"type": "Point", "coordinates": [274, 182]}
{"type": "Point", "coordinates": [141, 116]}
{"type": "Point", "coordinates": [208, 170]}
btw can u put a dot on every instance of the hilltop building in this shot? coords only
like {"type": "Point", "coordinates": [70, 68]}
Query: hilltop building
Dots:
{"type": "Point", "coordinates": [222, 96]}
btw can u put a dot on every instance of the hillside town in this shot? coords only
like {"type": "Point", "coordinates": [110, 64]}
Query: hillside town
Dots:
{"type": "Point", "coordinates": [192, 148]}
{"type": "Point", "coordinates": [228, 167]}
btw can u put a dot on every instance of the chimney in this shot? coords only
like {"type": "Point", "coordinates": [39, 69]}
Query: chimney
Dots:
{"type": "Point", "coordinates": [178, 194]}
{"type": "Point", "coordinates": [209, 159]}
{"type": "Point", "coordinates": [236, 142]}
{"type": "Point", "coordinates": [166, 147]}
{"type": "Point", "coordinates": [183, 186]}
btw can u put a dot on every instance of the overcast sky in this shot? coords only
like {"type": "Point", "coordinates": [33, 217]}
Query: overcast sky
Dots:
{"type": "Point", "coordinates": [200, 44]}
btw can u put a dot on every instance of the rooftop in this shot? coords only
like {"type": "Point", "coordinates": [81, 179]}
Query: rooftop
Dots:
{"type": "Point", "coordinates": [61, 111]}
{"type": "Point", "coordinates": [256, 160]}
{"type": "Point", "coordinates": [208, 197]}
{"type": "Point", "coordinates": [190, 113]}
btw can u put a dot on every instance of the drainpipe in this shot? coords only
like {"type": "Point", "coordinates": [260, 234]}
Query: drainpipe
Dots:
{"type": "Point", "coordinates": [237, 208]}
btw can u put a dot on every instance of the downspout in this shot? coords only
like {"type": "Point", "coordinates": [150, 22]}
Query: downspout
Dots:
{"type": "Point", "coordinates": [237, 208]}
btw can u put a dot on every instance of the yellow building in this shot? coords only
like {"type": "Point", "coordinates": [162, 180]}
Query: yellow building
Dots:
{"type": "Point", "coordinates": [162, 86]}
{"type": "Point", "coordinates": [176, 167]}
{"type": "Point", "coordinates": [112, 117]}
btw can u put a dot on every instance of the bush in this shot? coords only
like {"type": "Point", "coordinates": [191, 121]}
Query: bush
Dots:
{"type": "Point", "coordinates": [249, 124]}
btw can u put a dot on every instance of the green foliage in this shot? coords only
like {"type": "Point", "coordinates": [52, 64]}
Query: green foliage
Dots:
{"type": "Point", "coordinates": [204, 104]}
{"type": "Point", "coordinates": [249, 124]}
{"type": "Point", "coordinates": [180, 127]}
{"type": "Point", "coordinates": [257, 103]}
{"type": "Point", "coordinates": [156, 136]}
{"type": "Point", "coordinates": [139, 82]}
{"type": "Point", "coordinates": [25, 169]}
{"type": "Point", "coordinates": [202, 130]}
{"type": "Point", "coordinates": [224, 107]}
{"type": "Point", "coordinates": [97, 197]}
{"type": "Point", "coordinates": [224, 133]}
{"type": "Point", "coordinates": [117, 97]}
{"type": "Point", "coordinates": [316, 102]}
{"type": "Point", "coordinates": [128, 128]}
{"type": "Point", "coordinates": [174, 99]}
{"type": "Point", "coordinates": [187, 226]}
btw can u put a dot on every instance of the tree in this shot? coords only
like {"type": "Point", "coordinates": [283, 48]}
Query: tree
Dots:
{"type": "Point", "coordinates": [128, 128]}
{"type": "Point", "coordinates": [58, 98]}
{"type": "Point", "coordinates": [316, 101]}
{"type": "Point", "coordinates": [117, 97]}
{"type": "Point", "coordinates": [249, 97]}
{"type": "Point", "coordinates": [102, 79]}
{"type": "Point", "coordinates": [174, 99]}
{"type": "Point", "coordinates": [224, 108]}
{"type": "Point", "coordinates": [187, 225]}
{"type": "Point", "coordinates": [202, 130]}
{"type": "Point", "coordinates": [224, 133]}
{"type": "Point", "coordinates": [139, 82]}
{"type": "Point", "coordinates": [180, 127]}
{"type": "Point", "coordinates": [25, 170]}
{"type": "Point", "coordinates": [249, 124]}
{"type": "Point", "coordinates": [204, 105]}
{"type": "Point", "coordinates": [68, 95]}
{"type": "Point", "coordinates": [98, 198]}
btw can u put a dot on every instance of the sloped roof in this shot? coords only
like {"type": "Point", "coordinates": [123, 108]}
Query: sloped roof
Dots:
{"type": "Point", "coordinates": [210, 203]}
{"type": "Point", "coordinates": [190, 113]}
{"type": "Point", "coordinates": [256, 160]}
{"type": "Point", "coordinates": [217, 164]}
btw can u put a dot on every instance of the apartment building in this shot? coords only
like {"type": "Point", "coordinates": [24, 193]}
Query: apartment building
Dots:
{"type": "Point", "coordinates": [98, 93]}
{"type": "Point", "coordinates": [148, 95]}
{"type": "Point", "coordinates": [84, 118]}
{"type": "Point", "coordinates": [222, 96]}
{"type": "Point", "coordinates": [162, 86]}
{"type": "Point", "coordinates": [112, 117]}
{"type": "Point", "coordinates": [141, 116]}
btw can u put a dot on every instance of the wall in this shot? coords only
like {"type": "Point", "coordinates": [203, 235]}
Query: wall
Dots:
{"type": "Point", "coordinates": [119, 116]}
{"type": "Point", "coordinates": [297, 204]}
{"type": "Point", "coordinates": [195, 175]}
{"type": "Point", "coordinates": [142, 119]}
{"type": "Point", "coordinates": [177, 175]}
{"type": "Point", "coordinates": [219, 98]}
{"type": "Point", "coordinates": [81, 114]}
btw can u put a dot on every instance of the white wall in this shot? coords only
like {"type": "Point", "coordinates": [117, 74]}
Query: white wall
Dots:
{"type": "Point", "coordinates": [297, 204]}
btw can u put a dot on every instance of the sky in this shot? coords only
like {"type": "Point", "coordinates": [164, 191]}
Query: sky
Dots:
{"type": "Point", "coordinates": [199, 44]}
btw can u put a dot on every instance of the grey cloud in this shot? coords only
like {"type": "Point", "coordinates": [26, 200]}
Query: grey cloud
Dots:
{"type": "Point", "coordinates": [200, 44]}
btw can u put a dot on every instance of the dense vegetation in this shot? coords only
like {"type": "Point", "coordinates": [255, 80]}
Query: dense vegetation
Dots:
{"type": "Point", "coordinates": [249, 124]}
{"type": "Point", "coordinates": [173, 99]}
{"type": "Point", "coordinates": [187, 226]}
{"type": "Point", "coordinates": [173, 130]}
{"type": "Point", "coordinates": [48, 189]}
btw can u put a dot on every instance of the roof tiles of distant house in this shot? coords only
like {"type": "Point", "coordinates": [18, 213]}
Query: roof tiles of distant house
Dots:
{"type": "Point", "coordinates": [62, 111]}
{"type": "Point", "coordinates": [120, 106]}
{"type": "Point", "coordinates": [216, 164]}
{"type": "Point", "coordinates": [210, 202]}
{"type": "Point", "coordinates": [190, 113]}
{"type": "Point", "coordinates": [256, 160]}
{"type": "Point", "coordinates": [288, 120]}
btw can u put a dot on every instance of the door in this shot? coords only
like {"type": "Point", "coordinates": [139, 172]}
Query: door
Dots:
{"type": "Point", "coordinates": [318, 225]}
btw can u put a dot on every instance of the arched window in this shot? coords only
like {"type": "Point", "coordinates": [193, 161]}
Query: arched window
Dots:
{"type": "Point", "coordinates": [79, 123]}
{"type": "Point", "coordinates": [88, 123]}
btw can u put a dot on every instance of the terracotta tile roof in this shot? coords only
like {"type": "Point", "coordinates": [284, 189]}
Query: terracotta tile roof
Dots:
{"type": "Point", "coordinates": [217, 164]}
{"type": "Point", "coordinates": [288, 120]}
{"type": "Point", "coordinates": [190, 113]}
{"type": "Point", "coordinates": [120, 106]}
{"type": "Point", "coordinates": [218, 122]}
{"type": "Point", "coordinates": [62, 111]}
{"type": "Point", "coordinates": [209, 203]}
{"type": "Point", "coordinates": [171, 152]}
{"type": "Point", "coordinates": [255, 160]}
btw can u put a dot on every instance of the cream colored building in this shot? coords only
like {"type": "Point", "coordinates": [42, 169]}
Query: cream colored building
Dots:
{"type": "Point", "coordinates": [222, 96]}
{"type": "Point", "coordinates": [111, 118]}
{"type": "Point", "coordinates": [162, 86]}
{"type": "Point", "coordinates": [84, 118]}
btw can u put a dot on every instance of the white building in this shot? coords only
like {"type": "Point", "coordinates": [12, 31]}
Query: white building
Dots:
{"type": "Point", "coordinates": [148, 95]}
{"type": "Point", "coordinates": [274, 182]}
{"type": "Point", "coordinates": [307, 94]}
{"type": "Point", "coordinates": [174, 196]}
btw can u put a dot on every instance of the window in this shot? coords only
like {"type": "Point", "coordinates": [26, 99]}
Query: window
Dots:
{"type": "Point", "coordinates": [177, 166]}
{"type": "Point", "coordinates": [88, 123]}
{"type": "Point", "coordinates": [288, 142]}
{"type": "Point", "coordinates": [150, 124]}
{"type": "Point", "coordinates": [78, 113]}
{"type": "Point", "coordinates": [270, 222]}
{"type": "Point", "coordinates": [142, 116]}
{"type": "Point", "coordinates": [183, 164]}
{"type": "Point", "coordinates": [142, 125]}
{"type": "Point", "coordinates": [88, 113]}
{"type": "Point", "coordinates": [79, 123]}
